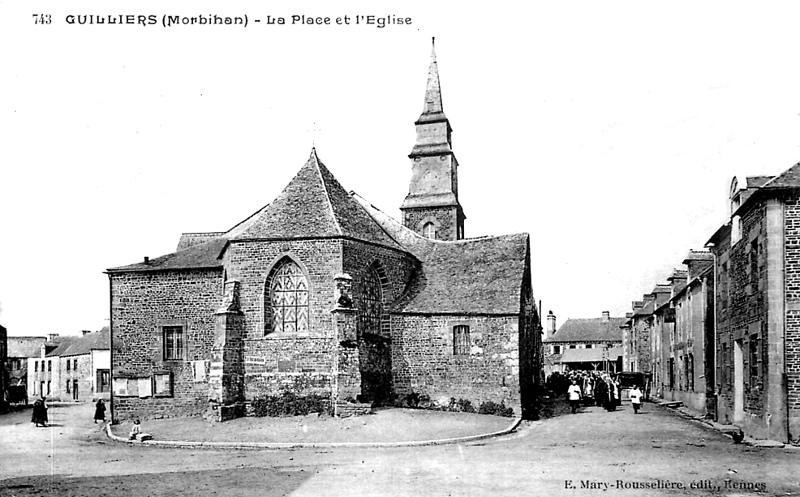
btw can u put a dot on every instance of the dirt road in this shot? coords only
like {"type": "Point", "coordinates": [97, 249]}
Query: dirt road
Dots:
{"type": "Point", "coordinates": [590, 453]}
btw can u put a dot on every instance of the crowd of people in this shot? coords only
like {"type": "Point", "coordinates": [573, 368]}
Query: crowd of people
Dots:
{"type": "Point", "coordinates": [591, 388]}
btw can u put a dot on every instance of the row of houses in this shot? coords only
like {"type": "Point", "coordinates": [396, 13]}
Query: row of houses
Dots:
{"type": "Point", "coordinates": [63, 368]}
{"type": "Point", "coordinates": [722, 334]}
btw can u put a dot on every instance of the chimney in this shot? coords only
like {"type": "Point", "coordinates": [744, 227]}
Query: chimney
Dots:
{"type": "Point", "coordinates": [51, 336]}
{"type": "Point", "coordinates": [606, 316]}
{"type": "Point", "coordinates": [146, 260]}
{"type": "Point", "coordinates": [551, 324]}
{"type": "Point", "coordinates": [85, 332]}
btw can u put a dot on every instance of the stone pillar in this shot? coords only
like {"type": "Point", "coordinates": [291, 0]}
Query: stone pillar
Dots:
{"type": "Point", "coordinates": [226, 380]}
{"type": "Point", "coordinates": [346, 368]}
{"type": "Point", "coordinates": [776, 414]}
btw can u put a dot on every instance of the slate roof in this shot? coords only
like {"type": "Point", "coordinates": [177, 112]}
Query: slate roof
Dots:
{"type": "Point", "coordinates": [757, 181]}
{"type": "Point", "coordinates": [62, 344]}
{"type": "Point", "coordinates": [698, 255]}
{"type": "Point", "coordinates": [86, 343]}
{"type": "Point", "coordinates": [313, 205]}
{"type": "Point", "coordinates": [206, 255]}
{"type": "Point", "coordinates": [25, 346]}
{"type": "Point", "coordinates": [648, 308]}
{"type": "Point", "coordinates": [473, 276]}
{"type": "Point", "coordinates": [589, 330]}
{"type": "Point", "coordinates": [596, 354]}
{"type": "Point", "coordinates": [787, 179]}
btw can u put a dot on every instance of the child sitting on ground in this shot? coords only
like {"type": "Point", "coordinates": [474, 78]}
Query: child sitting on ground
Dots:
{"type": "Point", "coordinates": [136, 432]}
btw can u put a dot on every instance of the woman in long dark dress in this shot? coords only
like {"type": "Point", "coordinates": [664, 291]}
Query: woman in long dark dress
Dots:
{"type": "Point", "coordinates": [39, 416]}
{"type": "Point", "coordinates": [99, 411]}
{"type": "Point", "coordinates": [36, 412]}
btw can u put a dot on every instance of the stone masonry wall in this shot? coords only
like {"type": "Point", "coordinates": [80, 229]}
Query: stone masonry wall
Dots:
{"type": "Point", "coordinates": [395, 271]}
{"type": "Point", "coordinates": [274, 362]}
{"type": "Point", "coordinates": [423, 360]}
{"type": "Point", "coordinates": [742, 317]}
{"type": "Point", "coordinates": [792, 328]}
{"type": "Point", "coordinates": [446, 217]}
{"type": "Point", "coordinates": [141, 303]}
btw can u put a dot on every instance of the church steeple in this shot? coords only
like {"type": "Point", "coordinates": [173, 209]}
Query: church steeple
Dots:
{"type": "Point", "coordinates": [433, 91]}
{"type": "Point", "coordinates": [431, 207]}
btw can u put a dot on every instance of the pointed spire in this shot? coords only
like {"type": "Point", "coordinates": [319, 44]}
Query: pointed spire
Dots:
{"type": "Point", "coordinates": [433, 92]}
{"type": "Point", "coordinates": [313, 157]}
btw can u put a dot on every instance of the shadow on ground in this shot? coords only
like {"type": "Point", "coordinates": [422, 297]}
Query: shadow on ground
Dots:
{"type": "Point", "coordinates": [228, 482]}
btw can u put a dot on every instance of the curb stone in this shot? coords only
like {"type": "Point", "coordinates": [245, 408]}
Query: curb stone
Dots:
{"type": "Point", "coordinates": [309, 445]}
{"type": "Point", "coordinates": [728, 429]}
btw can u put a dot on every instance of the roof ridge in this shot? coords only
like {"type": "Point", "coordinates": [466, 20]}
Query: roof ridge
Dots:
{"type": "Point", "coordinates": [353, 194]}
{"type": "Point", "coordinates": [331, 210]}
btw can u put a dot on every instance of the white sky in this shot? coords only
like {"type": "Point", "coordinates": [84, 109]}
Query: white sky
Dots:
{"type": "Point", "coordinates": [609, 131]}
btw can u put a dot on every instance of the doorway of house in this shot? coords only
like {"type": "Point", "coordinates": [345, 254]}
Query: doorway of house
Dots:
{"type": "Point", "coordinates": [738, 382]}
{"type": "Point", "coordinates": [74, 389]}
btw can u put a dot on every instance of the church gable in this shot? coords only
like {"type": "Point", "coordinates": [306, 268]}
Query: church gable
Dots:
{"type": "Point", "coordinates": [302, 210]}
{"type": "Point", "coordinates": [315, 205]}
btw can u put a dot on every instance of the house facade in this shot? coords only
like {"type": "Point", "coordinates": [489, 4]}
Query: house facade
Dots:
{"type": "Point", "coordinates": [321, 293]}
{"type": "Point", "coordinates": [757, 266]}
{"type": "Point", "coordinates": [683, 335]}
{"type": "Point", "coordinates": [592, 344]}
{"type": "Point", "coordinates": [726, 342]}
{"type": "Point", "coordinates": [20, 351]}
{"type": "Point", "coordinates": [72, 368]}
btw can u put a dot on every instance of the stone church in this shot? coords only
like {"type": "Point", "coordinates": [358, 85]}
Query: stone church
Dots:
{"type": "Point", "coordinates": [322, 293]}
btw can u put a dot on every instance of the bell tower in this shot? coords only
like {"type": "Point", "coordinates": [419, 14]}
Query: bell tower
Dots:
{"type": "Point", "coordinates": [431, 207]}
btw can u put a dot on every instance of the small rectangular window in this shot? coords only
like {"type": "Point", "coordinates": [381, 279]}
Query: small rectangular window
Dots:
{"type": "Point", "coordinates": [754, 372]}
{"type": "Point", "coordinates": [67, 369]}
{"type": "Point", "coordinates": [75, 364]}
{"type": "Point", "coordinates": [173, 343]}
{"type": "Point", "coordinates": [754, 274]}
{"type": "Point", "coordinates": [49, 368]}
{"type": "Point", "coordinates": [163, 385]}
{"type": "Point", "coordinates": [723, 366]}
{"type": "Point", "coordinates": [68, 390]}
{"type": "Point", "coordinates": [461, 340]}
{"type": "Point", "coordinates": [35, 366]}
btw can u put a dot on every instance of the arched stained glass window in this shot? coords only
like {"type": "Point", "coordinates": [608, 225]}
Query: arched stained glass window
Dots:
{"type": "Point", "coordinates": [429, 231]}
{"type": "Point", "coordinates": [371, 302]}
{"type": "Point", "coordinates": [288, 298]}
